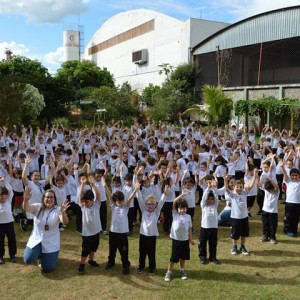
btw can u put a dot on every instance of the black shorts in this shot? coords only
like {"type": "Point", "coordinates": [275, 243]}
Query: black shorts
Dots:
{"type": "Point", "coordinates": [240, 227]}
{"type": "Point", "coordinates": [90, 244]}
{"type": "Point", "coordinates": [180, 250]}
{"type": "Point", "coordinates": [250, 200]}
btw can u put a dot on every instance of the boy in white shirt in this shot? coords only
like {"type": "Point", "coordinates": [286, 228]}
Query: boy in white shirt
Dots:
{"type": "Point", "coordinates": [148, 229]}
{"type": "Point", "coordinates": [270, 211]}
{"type": "Point", "coordinates": [91, 225]}
{"type": "Point", "coordinates": [209, 225]}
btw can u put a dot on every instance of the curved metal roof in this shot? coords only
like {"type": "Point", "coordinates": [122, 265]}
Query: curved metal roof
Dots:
{"type": "Point", "coordinates": [269, 26]}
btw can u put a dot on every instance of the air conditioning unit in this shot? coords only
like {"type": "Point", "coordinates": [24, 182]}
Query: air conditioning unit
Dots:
{"type": "Point", "coordinates": [140, 57]}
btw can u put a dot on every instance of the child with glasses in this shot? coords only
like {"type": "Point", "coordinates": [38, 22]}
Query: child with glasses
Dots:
{"type": "Point", "coordinates": [148, 229]}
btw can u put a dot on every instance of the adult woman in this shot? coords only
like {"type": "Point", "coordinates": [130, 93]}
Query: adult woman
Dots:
{"type": "Point", "coordinates": [44, 242]}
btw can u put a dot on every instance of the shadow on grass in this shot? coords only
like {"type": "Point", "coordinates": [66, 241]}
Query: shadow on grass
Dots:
{"type": "Point", "coordinates": [254, 278]}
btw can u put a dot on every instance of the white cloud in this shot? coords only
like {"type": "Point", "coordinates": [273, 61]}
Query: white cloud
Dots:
{"type": "Point", "coordinates": [56, 57]}
{"type": "Point", "coordinates": [244, 8]}
{"type": "Point", "coordinates": [43, 11]}
{"type": "Point", "coordinates": [15, 48]}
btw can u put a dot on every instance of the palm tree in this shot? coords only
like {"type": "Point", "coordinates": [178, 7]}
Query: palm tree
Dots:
{"type": "Point", "coordinates": [217, 106]}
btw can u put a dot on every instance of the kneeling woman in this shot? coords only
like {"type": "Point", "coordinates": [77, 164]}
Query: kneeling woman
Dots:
{"type": "Point", "coordinates": [44, 242]}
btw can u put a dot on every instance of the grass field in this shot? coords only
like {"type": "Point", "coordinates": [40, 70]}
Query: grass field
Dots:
{"type": "Point", "coordinates": [270, 272]}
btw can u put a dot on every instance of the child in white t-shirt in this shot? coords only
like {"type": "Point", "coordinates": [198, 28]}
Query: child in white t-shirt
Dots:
{"type": "Point", "coordinates": [270, 211]}
{"type": "Point", "coordinates": [209, 225]}
{"type": "Point", "coordinates": [181, 235]}
{"type": "Point", "coordinates": [148, 230]}
{"type": "Point", "coordinates": [91, 225]}
{"type": "Point", "coordinates": [118, 238]}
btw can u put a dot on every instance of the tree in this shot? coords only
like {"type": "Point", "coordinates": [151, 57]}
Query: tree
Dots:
{"type": "Point", "coordinates": [32, 102]}
{"type": "Point", "coordinates": [188, 74]}
{"type": "Point", "coordinates": [28, 71]}
{"type": "Point", "coordinates": [217, 106]}
{"type": "Point", "coordinates": [82, 74]}
{"type": "Point", "coordinates": [20, 101]}
{"type": "Point", "coordinates": [147, 94]}
{"type": "Point", "coordinates": [117, 102]}
{"type": "Point", "coordinates": [169, 101]}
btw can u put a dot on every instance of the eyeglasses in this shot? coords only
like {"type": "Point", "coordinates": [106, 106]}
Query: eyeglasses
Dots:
{"type": "Point", "coordinates": [49, 197]}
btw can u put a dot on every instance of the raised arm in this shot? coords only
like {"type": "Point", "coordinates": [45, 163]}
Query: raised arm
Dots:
{"type": "Point", "coordinates": [26, 205]}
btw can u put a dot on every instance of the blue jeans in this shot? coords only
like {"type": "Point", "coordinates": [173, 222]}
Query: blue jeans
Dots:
{"type": "Point", "coordinates": [48, 260]}
{"type": "Point", "coordinates": [224, 218]}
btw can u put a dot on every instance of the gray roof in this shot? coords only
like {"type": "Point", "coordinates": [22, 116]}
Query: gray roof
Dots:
{"type": "Point", "coordinates": [269, 26]}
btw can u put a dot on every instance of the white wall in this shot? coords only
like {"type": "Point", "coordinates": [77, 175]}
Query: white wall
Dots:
{"type": "Point", "coordinates": [168, 43]}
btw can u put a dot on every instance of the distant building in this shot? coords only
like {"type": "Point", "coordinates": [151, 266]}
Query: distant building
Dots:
{"type": "Point", "coordinates": [132, 44]}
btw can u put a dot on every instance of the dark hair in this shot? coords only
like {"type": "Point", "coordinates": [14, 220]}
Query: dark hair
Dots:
{"type": "Point", "coordinates": [3, 191]}
{"type": "Point", "coordinates": [118, 196]}
{"type": "Point", "coordinates": [294, 171]}
{"type": "Point", "coordinates": [128, 177]}
{"type": "Point", "coordinates": [269, 186]}
{"type": "Point", "coordinates": [99, 171]}
{"type": "Point", "coordinates": [211, 194]}
{"type": "Point", "coordinates": [87, 195]}
{"type": "Point", "coordinates": [181, 203]}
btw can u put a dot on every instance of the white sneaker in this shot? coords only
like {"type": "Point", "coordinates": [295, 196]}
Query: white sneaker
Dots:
{"type": "Point", "coordinates": [168, 276]}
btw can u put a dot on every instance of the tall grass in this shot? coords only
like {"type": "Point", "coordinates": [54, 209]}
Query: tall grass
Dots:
{"type": "Point", "coordinates": [270, 272]}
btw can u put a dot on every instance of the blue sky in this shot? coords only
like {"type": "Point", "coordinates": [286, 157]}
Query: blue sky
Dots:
{"type": "Point", "coordinates": [34, 28]}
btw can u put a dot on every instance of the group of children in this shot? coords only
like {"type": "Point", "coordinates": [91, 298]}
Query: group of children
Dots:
{"type": "Point", "coordinates": [156, 172]}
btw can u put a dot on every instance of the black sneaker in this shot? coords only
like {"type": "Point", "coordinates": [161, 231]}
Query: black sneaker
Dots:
{"type": "Point", "coordinates": [13, 259]}
{"type": "Point", "coordinates": [244, 251]}
{"type": "Point", "coordinates": [215, 261]}
{"type": "Point", "coordinates": [202, 260]}
{"type": "Point", "coordinates": [234, 250]}
{"type": "Point", "coordinates": [249, 216]}
{"type": "Point", "coordinates": [264, 239]}
{"type": "Point", "coordinates": [92, 263]}
{"type": "Point", "coordinates": [126, 271]}
{"type": "Point", "coordinates": [109, 265]}
{"type": "Point", "coordinates": [140, 270]}
{"type": "Point", "coordinates": [80, 269]}
{"type": "Point", "coordinates": [23, 224]}
{"type": "Point", "coordinates": [152, 272]}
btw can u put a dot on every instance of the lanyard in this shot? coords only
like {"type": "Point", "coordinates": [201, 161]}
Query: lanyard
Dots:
{"type": "Point", "coordinates": [49, 215]}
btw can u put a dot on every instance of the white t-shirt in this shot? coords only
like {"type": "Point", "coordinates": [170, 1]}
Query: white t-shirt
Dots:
{"type": "Point", "coordinates": [239, 205]}
{"type": "Point", "coordinates": [209, 212]}
{"type": "Point", "coordinates": [293, 191]}
{"type": "Point", "coordinates": [270, 202]}
{"type": "Point", "coordinates": [180, 226]}
{"type": "Point", "coordinates": [119, 219]}
{"type": "Point", "coordinates": [149, 219]}
{"type": "Point", "coordinates": [91, 224]}
{"type": "Point", "coordinates": [50, 239]}
{"type": "Point", "coordinates": [5, 208]}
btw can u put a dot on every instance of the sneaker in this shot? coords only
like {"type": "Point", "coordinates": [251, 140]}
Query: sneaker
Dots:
{"type": "Point", "coordinates": [291, 234]}
{"type": "Point", "coordinates": [2, 261]}
{"type": "Point", "coordinates": [13, 259]}
{"type": "Point", "coordinates": [140, 270]}
{"type": "Point", "coordinates": [183, 275]}
{"type": "Point", "coordinates": [104, 232]}
{"type": "Point", "coordinates": [202, 260]}
{"type": "Point", "coordinates": [249, 216]}
{"type": "Point", "coordinates": [152, 272]}
{"type": "Point", "coordinates": [109, 265]}
{"type": "Point", "coordinates": [244, 251]}
{"type": "Point", "coordinates": [234, 250]}
{"type": "Point", "coordinates": [23, 224]}
{"type": "Point", "coordinates": [264, 239]}
{"type": "Point", "coordinates": [39, 263]}
{"type": "Point", "coordinates": [80, 269]}
{"type": "Point", "coordinates": [168, 276]}
{"type": "Point", "coordinates": [274, 241]}
{"type": "Point", "coordinates": [126, 271]}
{"type": "Point", "coordinates": [215, 261]}
{"type": "Point", "coordinates": [61, 229]}
{"type": "Point", "coordinates": [92, 263]}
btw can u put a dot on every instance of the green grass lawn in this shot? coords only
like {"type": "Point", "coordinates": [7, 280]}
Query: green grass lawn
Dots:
{"type": "Point", "coordinates": [270, 272]}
